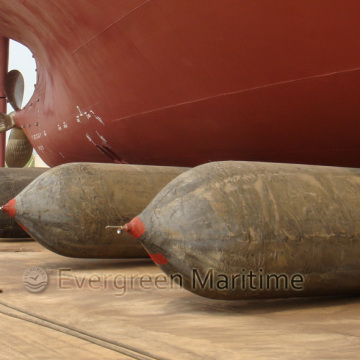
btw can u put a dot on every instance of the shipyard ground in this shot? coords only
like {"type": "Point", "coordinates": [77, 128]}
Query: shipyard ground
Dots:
{"type": "Point", "coordinates": [76, 317]}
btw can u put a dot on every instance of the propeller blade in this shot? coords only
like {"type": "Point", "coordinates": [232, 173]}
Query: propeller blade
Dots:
{"type": "Point", "coordinates": [14, 88]}
{"type": "Point", "coordinates": [6, 121]}
{"type": "Point", "coordinates": [18, 150]}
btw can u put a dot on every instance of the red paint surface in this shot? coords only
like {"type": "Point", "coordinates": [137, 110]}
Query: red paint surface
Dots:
{"type": "Point", "coordinates": [10, 208]}
{"type": "Point", "coordinates": [135, 227]}
{"type": "Point", "coordinates": [158, 259]}
{"type": "Point", "coordinates": [187, 82]}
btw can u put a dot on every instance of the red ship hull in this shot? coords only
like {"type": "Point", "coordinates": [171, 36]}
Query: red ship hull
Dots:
{"type": "Point", "coordinates": [186, 82]}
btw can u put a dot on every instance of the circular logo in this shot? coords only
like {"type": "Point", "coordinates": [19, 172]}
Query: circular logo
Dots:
{"type": "Point", "coordinates": [35, 279]}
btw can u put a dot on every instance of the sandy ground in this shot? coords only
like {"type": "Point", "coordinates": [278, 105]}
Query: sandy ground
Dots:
{"type": "Point", "coordinates": [156, 320]}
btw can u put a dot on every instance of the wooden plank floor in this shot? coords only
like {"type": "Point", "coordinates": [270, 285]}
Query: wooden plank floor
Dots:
{"type": "Point", "coordinates": [157, 323]}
